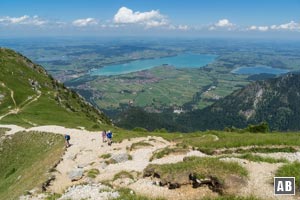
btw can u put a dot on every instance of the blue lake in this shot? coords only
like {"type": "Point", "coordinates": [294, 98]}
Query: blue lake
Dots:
{"type": "Point", "coordinates": [180, 61]}
{"type": "Point", "coordinates": [259, 70]}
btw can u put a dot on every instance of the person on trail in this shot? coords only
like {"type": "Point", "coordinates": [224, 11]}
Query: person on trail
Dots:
{"type": "Point", "coordinates": [67, 140]}
{"type": "Point", "coordinates": [109, 136]}
{"type": "Point", "coordinates": [103, 136]}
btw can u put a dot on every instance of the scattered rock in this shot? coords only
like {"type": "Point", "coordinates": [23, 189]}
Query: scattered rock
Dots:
{"type": "Point", "coordinates": [123, 182]}
{"type": "Point", "coordinates": [119, 158]}
{"type": "Point", "coordinates": [103, 165]}
{"type": "Point", "coordinates": [91, 191]}
{"type": "Point", "coordinates": [83, 165]}
{"type": "Point", "coordinates": [76, 174]}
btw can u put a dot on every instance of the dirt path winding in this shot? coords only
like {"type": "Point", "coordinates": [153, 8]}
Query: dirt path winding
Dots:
{"type": "Point", "coordinates": [87, 148]}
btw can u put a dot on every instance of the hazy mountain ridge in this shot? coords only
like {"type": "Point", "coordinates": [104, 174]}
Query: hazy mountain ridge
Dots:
{"type": "Point", "coordinates": [275, 101]}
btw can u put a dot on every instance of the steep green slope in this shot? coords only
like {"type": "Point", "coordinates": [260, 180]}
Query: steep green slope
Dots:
{"type": "Point", "coordinates": [276, 101]}
{"type": "Point", "coordinates": [25, 160]}
{"type": "Point", "coordinates": [29, 96]}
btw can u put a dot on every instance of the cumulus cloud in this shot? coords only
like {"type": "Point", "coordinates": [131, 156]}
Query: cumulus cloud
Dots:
{"type": "Point", "coordinates": [25, 19]}
{"type": "Point", "coordinates": [292, 25]}
{"type": "Point", "coordinates": [85, 22]}
{"type": "Point", "coordinates": [224, 23]}
{"type": "Point", "coordinates": [151, 18]}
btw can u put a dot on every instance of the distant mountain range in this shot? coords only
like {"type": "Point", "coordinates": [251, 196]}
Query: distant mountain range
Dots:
{"type": "Point", "coordinates": [275, 101]}
{"type": "Point", "coordinates": [29, 97]}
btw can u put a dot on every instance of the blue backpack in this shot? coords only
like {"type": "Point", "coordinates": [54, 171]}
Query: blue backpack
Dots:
{"type": "Point", "coordinates": [67, 137]}
{"type": "Point", "coordinates": [109, 135]}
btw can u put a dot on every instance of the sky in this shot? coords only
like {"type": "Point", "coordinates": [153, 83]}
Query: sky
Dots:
{"type": "Point", "coordinates": [215, 18]}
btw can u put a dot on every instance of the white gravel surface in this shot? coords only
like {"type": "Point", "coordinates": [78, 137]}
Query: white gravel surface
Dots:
{"type": "Point", "coordinates": [89, 192]}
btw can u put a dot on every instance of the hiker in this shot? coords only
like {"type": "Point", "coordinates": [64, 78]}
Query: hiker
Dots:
{"type": "Point", "coordinates": [109, 136]}
{"type": "Point", "coordinates": [67, 139]}
{"type": "Point", "coordinates": [103, 136]}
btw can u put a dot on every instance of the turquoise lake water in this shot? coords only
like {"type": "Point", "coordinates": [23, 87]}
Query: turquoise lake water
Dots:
{"type": "Point", "coordinates": [180, 61]}
{"type": "Point", "coordinates": [259, 70]}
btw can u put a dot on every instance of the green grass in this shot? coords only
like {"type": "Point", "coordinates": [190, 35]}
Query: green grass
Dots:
{"type": "Point", "coordinates": [205, 141]}
{"type": "Point", "coordinates": [25, 161]}
{"type": "Point", "coordinates": [57, 105]}
{"type": "Point", "coordinates": [93, 173]}
{"type": "Point", "coordinates": [105, 156]}
{"type": "Point", "coordinates": [140, 129]}
{"type": "Point", "coordinates": [290, 170]}
{"type": "Point", "coordinates": [123, 174]}
{"type": "Point", "coordinates": [3, 131]}
{"type": "Point", "coordinates": [167, 151]}
{"type": "Point", "coordinates": [201, 167]}
{"type": "Point", "coordinates": [234, 140]}
{"type": "Point", "coordinates": [139, 145]}
{"type": "Point", "coordinates": [231, 198]}
{"type": "Point", "coordinates": [170, 83]}
{"type": "Point", "coordinates": [257, 158]}
{"type": "Point", "coordinates": [261, 150]}
{"type": "Point", "coordinates": [126, 194]}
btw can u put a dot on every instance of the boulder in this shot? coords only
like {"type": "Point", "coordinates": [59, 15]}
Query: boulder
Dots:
{"type": "Point", "coordinates": [76, 174]}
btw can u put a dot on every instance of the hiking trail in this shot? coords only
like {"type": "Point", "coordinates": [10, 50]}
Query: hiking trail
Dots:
{"type": "Point", "coordinates": [87, 147]}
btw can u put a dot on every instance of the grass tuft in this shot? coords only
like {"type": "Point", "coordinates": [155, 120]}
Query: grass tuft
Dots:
{"type": "Point", "coordinates": [167, 151]}
{"type": "Point", "coordinates": [257, 158]}
{"type": "Point", "coordinates": [201, 167]}
{"type": "Point", "coordinates": [290, 170]}
{"type": "Point", "coordinates": [139, 145]}
{"type": "Point", "coordinates": [92, 173]}
{"type": "Point", "coordinates": [105, 156]}
{"type": "Point", "coordinates": [123, 174]}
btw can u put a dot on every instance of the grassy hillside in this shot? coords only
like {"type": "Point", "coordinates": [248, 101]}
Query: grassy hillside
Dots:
{"type": "Point", "coordinates": [25, 160]}
{"type": "Point", "coordinates": [29, 96]}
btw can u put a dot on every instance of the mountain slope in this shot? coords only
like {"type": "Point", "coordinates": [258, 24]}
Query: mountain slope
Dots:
{"type": "Point", "coordinates": [29, 97]}
{"type": "Point", "coordinates": [276, 101]}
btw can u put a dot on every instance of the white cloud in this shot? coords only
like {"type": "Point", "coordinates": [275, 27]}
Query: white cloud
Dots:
{"type": "Point", "coordinates": [224, 23]}
{"type": "Point", "coordinates": [179, 27]}
{"type": "Point", "coordinates": [252, 28]}
{"type": "Point", "coordinates": [85, 22]}
{"type": "Point", "coordinates": [25, 19]}
{"type": "Point", "coordinates": [263, 28]}
{"type": "Point", "coordinates": [258, 28]}
{"type": "Point", "coordinates": [183, 27]}
{"type": "Point", "coordinates": [292, 25]}
{"type": "Point", "coordinates": [151, 18]}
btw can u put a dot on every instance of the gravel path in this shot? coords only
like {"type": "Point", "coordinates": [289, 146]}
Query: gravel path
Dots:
{"type": "Point", "coordinates": [87, 147]}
